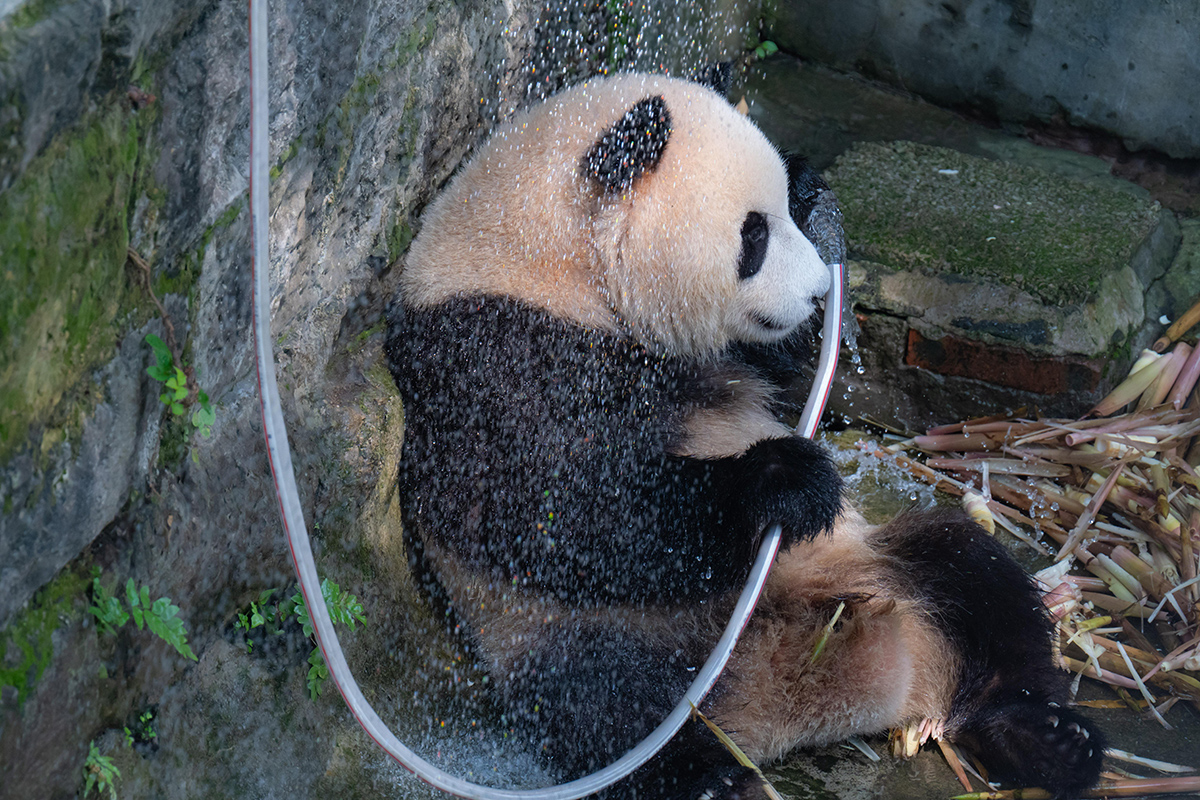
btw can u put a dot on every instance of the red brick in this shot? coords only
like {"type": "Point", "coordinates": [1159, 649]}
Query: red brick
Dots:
{"type": "Point", "coordinates": [1003, 366]}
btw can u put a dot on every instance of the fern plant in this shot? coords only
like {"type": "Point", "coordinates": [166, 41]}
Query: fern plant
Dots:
{"type": "Point", "coordinates": [344, 608]}
{"type": "Point", "coordinates": [161, 616]}
{"type": "Point", "coordinates": [100, 773]}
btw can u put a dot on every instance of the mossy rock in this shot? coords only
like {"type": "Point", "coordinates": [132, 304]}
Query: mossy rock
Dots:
{"type": "Point", "coordinates": [26, 647]}
{"type": "Point", "coordinates": [64, 230]}
{"type": "Point", "coordinates": [933, 210]}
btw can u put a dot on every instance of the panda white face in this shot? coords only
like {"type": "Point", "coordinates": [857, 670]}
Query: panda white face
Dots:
{"type": "Point", "coordinates": [697, 246]}
{"type": "Point", "coordinates": [779, 275]}
{"type": "Point", "coordinates": [634, 203]}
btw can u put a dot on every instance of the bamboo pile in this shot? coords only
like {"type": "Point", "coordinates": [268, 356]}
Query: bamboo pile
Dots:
{"type": "Point", "coordinates": [1113, 500]}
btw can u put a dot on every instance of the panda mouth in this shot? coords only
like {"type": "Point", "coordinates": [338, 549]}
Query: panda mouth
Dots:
{"type": "Point", "coordinates": [766, 322]}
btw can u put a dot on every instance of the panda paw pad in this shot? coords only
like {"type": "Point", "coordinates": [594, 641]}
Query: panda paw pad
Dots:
{"type": "Point", "coordinates": [1042, 745]}
{"type": "Point", "coordinates": [1069, 742]}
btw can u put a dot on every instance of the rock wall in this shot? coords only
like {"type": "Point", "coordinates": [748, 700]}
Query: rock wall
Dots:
{"type": "Point", "coordinates": [123, 176]}
{"type": "Point", "coordinates": [1129, 69]}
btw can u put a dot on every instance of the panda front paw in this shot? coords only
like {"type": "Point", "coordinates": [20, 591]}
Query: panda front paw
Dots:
{"type": "Point", "coordinates": [791, 481]}
{"type": "Point", "coordinates": [1040, 744]}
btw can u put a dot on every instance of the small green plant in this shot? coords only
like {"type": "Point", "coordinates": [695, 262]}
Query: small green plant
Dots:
{"type": "Point", "coordinates": [178, 389]}
{"type": "Point", "coordinates": [344, 608]}
{"type": "Point", "coordinates": [100, 773]}
{"type": "Point", "coordinates": [260, 615]}
{"type": "Point", "coordinates": [764, 49]}
{"type": "Point", "coordinates": [620, 31]}
{"type": "Point", "coordinates": [160, 616]}
{"type": "Point", "coordinates": [108, 611]}
{"type": "Point", "coordinates": [143, 731]}
{"type": "Point", "coordinates": [318, 673]}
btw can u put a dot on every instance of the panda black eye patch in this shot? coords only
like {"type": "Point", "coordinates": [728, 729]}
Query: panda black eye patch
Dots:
{"type": "Point", "coordinates": [755, 235]}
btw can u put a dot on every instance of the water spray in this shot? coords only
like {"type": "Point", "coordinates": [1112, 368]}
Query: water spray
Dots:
{"type": "Point", "coordinates": [279, 454]}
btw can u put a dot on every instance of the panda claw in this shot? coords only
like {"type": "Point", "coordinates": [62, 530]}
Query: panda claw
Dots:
{"type": "Point", "coordinates": [1021, 743]}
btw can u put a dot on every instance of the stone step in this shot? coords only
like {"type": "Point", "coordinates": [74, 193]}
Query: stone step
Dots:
{"type": "Point", "coordinates": [994, 273]}
{"type": "Point", "coordinates": [985, 272]}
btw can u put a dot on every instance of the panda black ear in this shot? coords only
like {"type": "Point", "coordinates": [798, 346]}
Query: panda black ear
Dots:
{"type": "Point", "coordinates": [805, 185]}
{"type": "Point", "coordinates": [631, 147]}
{"type": "Point", "coordinates": [717, 76]}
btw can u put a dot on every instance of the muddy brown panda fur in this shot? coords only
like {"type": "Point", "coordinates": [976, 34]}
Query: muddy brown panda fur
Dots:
{"type": "Point", "coordinates": [590, 459]}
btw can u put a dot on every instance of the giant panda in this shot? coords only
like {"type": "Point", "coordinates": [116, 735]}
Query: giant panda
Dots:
{"type": "Point", "coordinates": [592, 451]}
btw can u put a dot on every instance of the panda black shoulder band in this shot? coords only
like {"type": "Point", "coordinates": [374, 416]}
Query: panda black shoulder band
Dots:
{"type": "Point", "coordinates": [297, 534]}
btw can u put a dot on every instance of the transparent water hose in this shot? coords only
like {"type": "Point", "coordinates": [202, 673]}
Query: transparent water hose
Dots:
{"type": "Point", "coordinates": [297, 535]}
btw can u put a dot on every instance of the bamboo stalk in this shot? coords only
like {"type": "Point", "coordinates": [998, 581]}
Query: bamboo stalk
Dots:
{"type": "Point", "coordinates": [1150, 580]}
{"type": "Point", "coordinates": [1160, 387]}
{"type": "Point", "coordinates": [955, 764]}
{"type": "Point", "coordinates": [1004, 466]}
{"type": "Point", "coordinates": [1129, 390]}
{"type": "Point", "coordinates": [1186, 380]}
{"type": "Point", "coordinates": [1161, 766]}
{"type": "Point", "coordinates": [922, 472]}
{"type": "Point", "coordinates": [737, 753]}
{"type": "Point", "coordinates": [1008, 427]}
{"type": "Point", "coordinates": [1110, 603]}
{"type": "Point", "coordinates": [1127, 485]}
{"type": "Point", "coordinates": [958, 427]}
{"type": "Point", "coordinates": [1081, 527]}
{"type": "Point", "coordinates": [957, 442]}
{"type": "Point", "coordinates": [1187, 557]}
{"type": "Point", "coordinates": [1141, 419]}
{"type": "Point", "coordinates": [1179, 327]}
{"type": "Point", "coordinates": [1148, 659]}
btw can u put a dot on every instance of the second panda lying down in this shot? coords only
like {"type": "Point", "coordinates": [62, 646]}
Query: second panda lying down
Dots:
{"type": "Point", "coordinates": [592, 452]}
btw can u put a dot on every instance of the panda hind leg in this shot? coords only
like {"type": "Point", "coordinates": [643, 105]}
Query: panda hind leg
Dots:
{"type": "Point", "coordinates": [590, 696]}
{"type": "Point", "coordinates": [1036, 743]}
{"type": "Point", "coordinates": [1007, 708]}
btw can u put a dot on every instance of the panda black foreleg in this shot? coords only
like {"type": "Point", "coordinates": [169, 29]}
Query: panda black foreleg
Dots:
{"type": "Point", "coordinates": [790, 480]}
{"type": "Point", "coordinates": [588, 697]}
{"type": "Point", "coordinates": [1008, 705]}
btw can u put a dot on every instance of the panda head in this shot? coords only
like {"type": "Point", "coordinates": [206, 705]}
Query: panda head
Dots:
{"type": "Point", "coordinates": [637, 203]}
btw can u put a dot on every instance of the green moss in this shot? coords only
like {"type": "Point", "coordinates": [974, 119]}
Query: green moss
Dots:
{"type": "Point", "coordinates": [22, 18]}
{"type": "Point", "coordinates": [181, 279]}
{"type": "Point", "coordinates": [64, 230]}
{"type": "Point", "coordinates": [285, 157]}
{"type": "Point", "coordinates": [355, 105]}
{"type": "Point", "coordinates": [399, 238]}
{"type": "Point", "coordinates": [26, 645]}
{"type": "Point", "coordinates": [29, 13]}
{"type": "Point", "coordinates": [12, 109]}
{"type": "Point", "coordinates": [419, 35]}
{"type": "Point", "coordinates": [917, 207]}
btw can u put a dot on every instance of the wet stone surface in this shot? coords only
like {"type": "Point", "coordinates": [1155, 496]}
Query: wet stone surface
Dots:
{"type": "Point", "coordinates": [985, 272]}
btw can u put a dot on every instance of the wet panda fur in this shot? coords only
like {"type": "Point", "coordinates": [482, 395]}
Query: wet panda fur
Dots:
{"type": "Point", "coordinates": [592, 451]}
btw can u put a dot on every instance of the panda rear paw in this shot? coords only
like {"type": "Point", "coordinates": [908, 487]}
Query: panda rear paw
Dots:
{"type": "Point", "coordinates": [1036, 744]}
{"type": "Point", "coordinates": [791, 481]}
